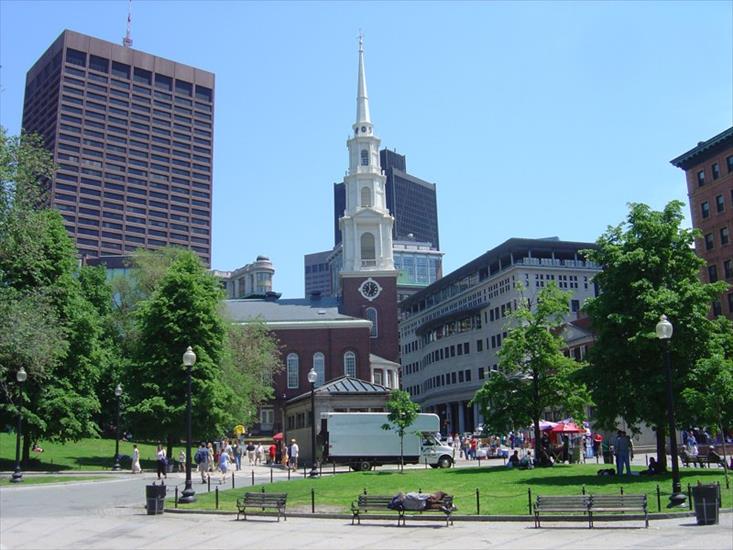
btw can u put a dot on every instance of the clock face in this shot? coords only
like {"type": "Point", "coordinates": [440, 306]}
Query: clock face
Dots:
{"type": "Point", "coordinates": [370, 289]}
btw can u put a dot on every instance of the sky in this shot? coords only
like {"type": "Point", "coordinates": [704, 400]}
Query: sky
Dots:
{"type": "Point", "coordinates": [534, 119]}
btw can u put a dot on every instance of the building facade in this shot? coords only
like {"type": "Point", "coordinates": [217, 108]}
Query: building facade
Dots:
{"type": "Point", "coordinates": [132, 136]}
{"type": "Point", "coordinates": [709, 173]}
{"type": "Point", "coordinates": [251, 280]}
{"type": "Point", "coordinates": [451, 332]}
{"type": "Point", "coordinates": [318, 274]}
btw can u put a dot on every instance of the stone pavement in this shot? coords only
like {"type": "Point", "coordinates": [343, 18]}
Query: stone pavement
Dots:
{"type": "Point", "coordinates": [127, 528]}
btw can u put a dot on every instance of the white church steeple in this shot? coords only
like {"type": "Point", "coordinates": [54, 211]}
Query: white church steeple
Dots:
{"type": "Point", "coordinates": [366, 224]}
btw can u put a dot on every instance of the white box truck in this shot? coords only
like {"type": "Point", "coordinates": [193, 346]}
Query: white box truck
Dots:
{"type": "Point", "coordinates": [358, 439]}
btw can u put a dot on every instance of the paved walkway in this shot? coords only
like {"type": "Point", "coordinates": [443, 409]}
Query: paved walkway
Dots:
{"type": "Point", "coordinates": [126, 528]}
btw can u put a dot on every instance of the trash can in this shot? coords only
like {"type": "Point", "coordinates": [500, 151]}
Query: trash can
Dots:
{"type": "Point", "coordinates": [155, 499]}
{"type": "Point", "coordinates": [707, 501]}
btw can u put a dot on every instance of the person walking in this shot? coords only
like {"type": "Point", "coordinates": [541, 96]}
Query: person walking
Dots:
{"type": "Point", "coordinates": [136, 469]}
{"type": "Point", "coordinates": [250, 453]}
{"type": "Point", "coordinates": [293, 453]}
{"type": "Point", "coordinates": [160, 458]}
{"type": "Point", "coordinates": [210, 448]}
{"type": "Point", "coordinates": [224, 461]}
{"type": "Point", "coordinates": [259, 453]}
{"type": "Point", "coordinates": [621, 448]}
{"type": "Point", "coordinates": [182, 461]}
{"type": "Point", "coordinates": [272, 452]}
{"type": "Point", "coordinates": [201, 458]}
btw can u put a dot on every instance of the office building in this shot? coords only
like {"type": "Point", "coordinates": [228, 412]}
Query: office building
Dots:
{"type": "Point", "coordinates": [451, 332]}
{"type": "Point", "coordinates": [318, 274]}
{"type": "Point", "coordinates": [132, 136]}
{"type": "Point", "coordinates": [248, 281]}
{"type": "Point", "coordinates": [709, 172]}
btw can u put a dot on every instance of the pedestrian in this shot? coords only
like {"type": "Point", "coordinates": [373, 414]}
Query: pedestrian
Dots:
{"type": "Point", "coordinates": [474, 446]}
{"type": "Point", "coordinates": [224, 461]}
{"type": "Point", "coordinates": [160, 458]}
{"type": "Point", "coordinates": [691, 448]}
{"type": "Point", "coordinates": [259, 453]}
{"type": "Point", "coordinates": [210, 448]}
{"type": "Point", "coordinates": [136, 460]}
{"type": "Point", "coordinates": [251, 453]}
{"type": "Point", "coordinates": [272, 452]}
{"type": "Point", "coordinates": [202, 461]}
{"type": "Point", "coordinates": [621, 450]}
{"type": "Point", "coordinates": [182, 461]}
{"type": "Point", "coordinates": [237, 450]}
{"type": "Point", "coordinates": [293, 453]}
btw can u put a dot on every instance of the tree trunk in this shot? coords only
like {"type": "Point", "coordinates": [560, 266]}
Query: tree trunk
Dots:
{"type": "Point", "coordinates": [402, 453]}
{"type": "Point", "coordinates": [661, 449]}
{"type": "Point", "coordinates": [537, 436]}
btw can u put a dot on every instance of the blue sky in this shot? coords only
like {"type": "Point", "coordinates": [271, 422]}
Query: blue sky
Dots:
{"type": "Point", "coordinates": [534, 119]}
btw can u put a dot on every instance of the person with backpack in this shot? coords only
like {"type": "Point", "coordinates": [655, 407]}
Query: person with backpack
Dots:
{"type": "Point", "coordinates": [202, 461]}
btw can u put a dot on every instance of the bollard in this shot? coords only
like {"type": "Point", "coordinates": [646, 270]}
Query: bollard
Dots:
{"type": "Point", "coordinates": [426, 462]}
{"type": "Point", "coordinates": [253, 477]}
{"type": "Point", "coordinates": [334, 468]}
{"type": "Point", "coordinates": [479, 461]}
{"type": "Point", "coordinates": [208, 482]}
{"type": "Point", "coordinates": [622, 490]}
{"type": "Point", "coordinates": [232, 480]}
{"type": "Point", "coordinates": [529, 500]}
{"type": "Point", "coordinates": [175, 505]}
{"type": "Point", "coordinates": [320, 469]}
{"type": "Point", "coordinates": [659, 499]}
{"type": "Point", "coordinates": [217, 497]}
{"type": "Point", "coordinates": [288, 474]}
{"type": "Point", "coordinates": [583, 490]}
{"type": "Point", "coordinates": [478, 506]}
{"type": "Point", "coordinates": [262, 489]}
{"type": "Point", "coordinates": [689, 497]}
{"type": "Point", "coordinates": [313, 501]}
{"type": "Point", "coordinates": [365, 492]}
{"type": "Point", "coordinates": [419, 491]}
{"type": "Point", "coordinates": [270, 475]}
{"type": "Point", "coordinates": [305, 472]}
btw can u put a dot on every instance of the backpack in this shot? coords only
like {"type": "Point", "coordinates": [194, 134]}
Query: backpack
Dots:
{"type": "Point", "coordinates": [199, 456]}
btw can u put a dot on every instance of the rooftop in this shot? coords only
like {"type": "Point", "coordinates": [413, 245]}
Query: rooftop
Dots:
{"type": "Point", "coordinates": [692, 157]}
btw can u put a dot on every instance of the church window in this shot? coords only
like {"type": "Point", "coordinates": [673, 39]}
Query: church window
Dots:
{"type": "Point", "coordinates": [366, 197]}
{"type": "Point", "coordinates": [368, 254]}
{"type": "Point", "coordinates": [293, 364]}
{"type": "Point", "coordinates": [371, 314]}
{"type": "Point", "coordinates": [319, 365]}
{"type": "Point", "coordinates": [350, 364]}
{"type": "Point", "coordinates": [364, 157]}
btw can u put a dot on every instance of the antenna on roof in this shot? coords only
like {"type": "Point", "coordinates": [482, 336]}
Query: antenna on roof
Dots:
{"type": "Point", "coordinates": [127, 41]}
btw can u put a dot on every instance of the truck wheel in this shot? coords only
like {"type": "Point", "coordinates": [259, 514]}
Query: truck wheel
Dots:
{"type": "Point", "coordinates": [364, 466]}
{"type": "Point", "coordinates": [445, 462]}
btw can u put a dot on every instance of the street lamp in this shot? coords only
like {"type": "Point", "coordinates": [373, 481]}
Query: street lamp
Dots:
{"type": "Point", "coordinates": [17, 476]}
{"type": "Point", "coordinates": [664, 331]}
{"type": "Point", "coordinates": [118, 393]}
{"type": "Point", "coordinates": [188, 495]}
{"type": "Point", "coordinates": [312, 377]}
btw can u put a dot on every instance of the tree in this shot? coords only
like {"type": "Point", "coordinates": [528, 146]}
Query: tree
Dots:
{"type": "Point", "coordinates": [402, 414]}
{"type": "Point", "coordinates": [182, 311]}
{"type": "Point", "coordinates": [649, 268]}
{"type": "Point", "coordinates": [38, 269]}
{"type": "Point", "coordinates": [534, 374]}
{"type": "Point", "coordinates": [253, 359]}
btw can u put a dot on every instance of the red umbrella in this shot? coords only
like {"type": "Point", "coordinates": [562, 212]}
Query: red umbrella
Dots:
{"type": "Point", "coordinates": [598, 438]}
{"type": "Point", "coordinates": [568, 427]}
{"type": "Point", "coordinates": [278, 436]}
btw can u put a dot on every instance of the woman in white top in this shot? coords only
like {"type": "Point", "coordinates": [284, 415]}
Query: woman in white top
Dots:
{"type": "Point", "coordinates": [136, 460]}
{"type": "Point", "coordinates": [161, 460]}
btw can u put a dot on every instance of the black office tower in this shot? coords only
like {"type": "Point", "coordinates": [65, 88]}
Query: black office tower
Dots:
{"type": "Point", "coordinates": [411, 201]}
{"type": "Point", "coordinates": [131, 134]}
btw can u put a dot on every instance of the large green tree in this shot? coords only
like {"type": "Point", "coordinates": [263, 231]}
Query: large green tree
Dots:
{"type": "Point", "coordinates": [534, 373]}
{"type": "Point", "coordinates": [649, 268]}
{"type": "Point", "coordinates": [182, 311]}
{"type": "Point", "coordinates": [38, 268]}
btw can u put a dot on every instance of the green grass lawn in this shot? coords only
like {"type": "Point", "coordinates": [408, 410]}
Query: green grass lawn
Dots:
{"type": "Point", "coordinates": [87, 454]}
{"type": "Point", "coordinates": [37, 480]}
{"type": "Point", "coordinates": [501, 490]}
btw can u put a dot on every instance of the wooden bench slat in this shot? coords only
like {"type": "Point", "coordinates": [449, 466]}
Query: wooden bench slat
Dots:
{"type": "Point", "coordinates": [262, 500]}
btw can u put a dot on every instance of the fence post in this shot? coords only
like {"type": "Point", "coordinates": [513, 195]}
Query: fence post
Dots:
{"type": "Point", "coordinates": [217, 497]}
{"type": "Point", "coordinates": [583, 490]}
{"type": "Point", "coordinates": [175, 505]}
{"type": "Point", "coordinates": [288, 474]}
{"type": "Point", "coordinates": [689, 497]}
{"type": "Point", "coordinates": [478, 506]}
{"type": "Point", "coordinates": [232, 480]}
{"type": "Point", "coordinates": [208, 483]}
{"type": "Point", "coordinates": [479, 461]}
{"type": "Point", "coordinates": [334, 468]}
{"type": "Point", "coordinates": [365, 491]}
{"type": "Point", "coordinates": [305, 473]}
{"type": "Point", "coordinates": [622, 489]}
{"type": "Point", "coordinates": [659, 499]}
{"type": "Point", "coordinates": [270, 475]}
{"type": "Point", "coordinates": [253, 477]}
{"type": "Point", "coordinates": [313, 500]}
{"type": "Point", "coordinates": [529, 499]}
{"type": "Point", "coordinates": [263, 489]}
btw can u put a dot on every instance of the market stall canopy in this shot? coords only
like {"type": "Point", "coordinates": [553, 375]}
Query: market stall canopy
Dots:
{"type": "Point", "coordinates": [545, 425]}
{"type": "Point", "coordinates": [569, 427]}
{"type": "Point", "coordinates": [278, 436]}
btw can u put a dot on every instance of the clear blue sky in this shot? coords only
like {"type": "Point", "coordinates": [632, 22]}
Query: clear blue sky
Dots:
{"type": "Point", "coordinates": [534, 119]}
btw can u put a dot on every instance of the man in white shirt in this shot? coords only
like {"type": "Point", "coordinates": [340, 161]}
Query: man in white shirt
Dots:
{"type": "Point", "coordinates": [293, 454]}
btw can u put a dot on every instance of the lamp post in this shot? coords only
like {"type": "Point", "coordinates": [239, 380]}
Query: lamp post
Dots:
{"type": "Point", "coordinates": [664, 332]}
{"type": "Point", "coordinates": [118, 393]}
{"type": "Point", "coordinates": [188, 495]}
{"type": "Point", "coordinates": [17, 476]}
{"type": "Point", "coordinates": [312, 377]}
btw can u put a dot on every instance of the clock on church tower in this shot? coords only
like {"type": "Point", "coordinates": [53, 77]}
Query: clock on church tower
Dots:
{"type": "Point", "coordinates": [368, 276]}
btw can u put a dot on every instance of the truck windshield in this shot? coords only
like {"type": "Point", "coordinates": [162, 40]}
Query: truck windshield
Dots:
{"type": "Point", "coordinates": [428, 439]}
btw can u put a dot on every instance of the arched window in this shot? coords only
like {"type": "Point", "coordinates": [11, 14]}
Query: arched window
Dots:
{"type": "Point", "coordinates": [368, 254]}
{"type": "Point", "coordinates": [366, 197]}
{"type": "Point", "coordinates": [319, 365]}
{"type": "Point", "coordinates": [350, 364]}
{"type": "Point", "coordinates": [364, 157]}
{"type": "Point", "coordinates": [293, 365]}
{"type": "Point", "coordinates": [371, 314]}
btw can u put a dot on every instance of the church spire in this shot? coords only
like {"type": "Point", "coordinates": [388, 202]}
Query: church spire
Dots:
{"type": "Point", "coordinates": [362, 101]}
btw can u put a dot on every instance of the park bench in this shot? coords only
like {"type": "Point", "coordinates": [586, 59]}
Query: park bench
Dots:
{"type": "Point", "coordinates": [263, 501]}
{"type": "Point", "coordinates": [380, 503]}
{"type": "Point", "coordinates": [707, 454]}
{"type": "Point", "coordinates": [614, 504]}
{"type": "Point", "coordinates": [563, 504]}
